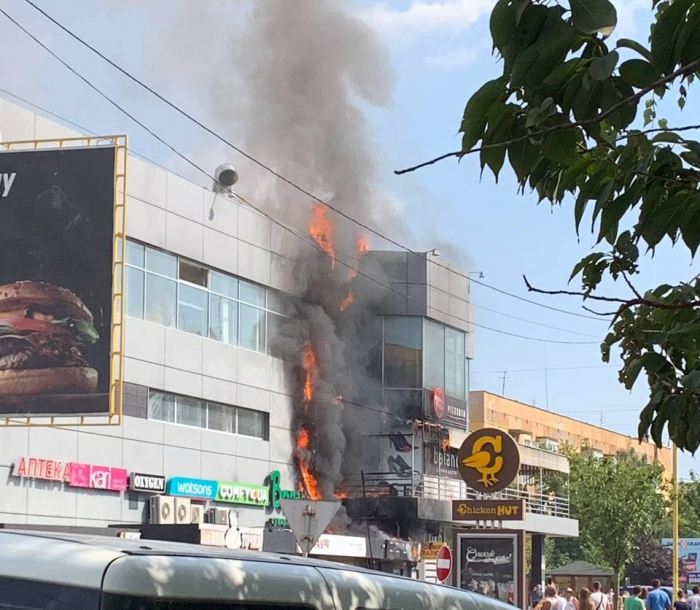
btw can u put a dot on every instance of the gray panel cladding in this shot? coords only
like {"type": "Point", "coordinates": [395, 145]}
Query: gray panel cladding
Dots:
{"type": "Point", "coordinates": [135, 400]}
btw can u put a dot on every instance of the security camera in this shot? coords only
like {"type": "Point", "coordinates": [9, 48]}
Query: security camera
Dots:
{"type": "Point", "coordinates": [225, 177]}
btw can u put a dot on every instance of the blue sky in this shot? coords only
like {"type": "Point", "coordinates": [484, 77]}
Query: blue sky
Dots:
{"type": "Point", "coordinates": [440, 52]}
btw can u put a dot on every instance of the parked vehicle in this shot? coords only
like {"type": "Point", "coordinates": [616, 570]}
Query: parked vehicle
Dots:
{"type": "Point", "coordinates": [51, 571]}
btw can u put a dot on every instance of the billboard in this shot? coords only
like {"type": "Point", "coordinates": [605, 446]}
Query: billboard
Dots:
{"type": "Point", "coordinates": [491, 564]}
{"type": "Point", "coordinates": [57, 235]}
{"type": "Point", "coordinates": [688, 553]}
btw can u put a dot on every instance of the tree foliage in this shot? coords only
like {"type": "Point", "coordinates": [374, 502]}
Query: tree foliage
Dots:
{"type": "Point", "coordinates": [572, 115]}
{"type": "Point", "coordinates": [689, 507]}
{"type": "Point", "coordinates": [617, 501]}
{"type": "Point", "coordinates": [649, 561]}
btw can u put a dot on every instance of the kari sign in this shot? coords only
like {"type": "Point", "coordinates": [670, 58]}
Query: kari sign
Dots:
{"type": "Point", "coordinates": [98, 477]}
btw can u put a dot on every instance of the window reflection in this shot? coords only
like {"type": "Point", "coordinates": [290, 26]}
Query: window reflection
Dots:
{"type": "Point", "coordinates": [402, 352]}
{"type": "Point", "coordinates": [252, 328]}
{"type": "Point", "coordinates": [161, 299]}
{"type": "Point", "coordinates": [192, 310]}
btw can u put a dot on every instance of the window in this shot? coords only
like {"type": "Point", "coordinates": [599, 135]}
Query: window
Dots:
{"type": "Point", "coordinates": [175, 292]}
{"type": "Point", "coordinates": [434, 355]}
{"type": "Point", "coordinates": [445, 363]}
{"type": "Point", "coordinates": [402, 352]}
{"type": "Point", "coordinates": [113, 601]}
{"type": "Point", "coordinates": [199, 413]}
{"type": "Point", "coordinates": [21, 594]}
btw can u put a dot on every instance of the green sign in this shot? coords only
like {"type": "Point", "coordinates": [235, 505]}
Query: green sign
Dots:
{"type": "Point", "coordinates": [242, 493]}
{"type": "Point", "coordinates": [277, 493]}
{"type": "Point", "coordinates": [278, 522]}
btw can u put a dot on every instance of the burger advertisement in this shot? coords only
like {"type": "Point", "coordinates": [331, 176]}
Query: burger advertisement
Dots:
{"type": "Point", "coordinates": [56, 261]}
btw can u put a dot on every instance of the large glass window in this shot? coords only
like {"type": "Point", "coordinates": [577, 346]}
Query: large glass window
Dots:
{"type": "Point", "coordinates": [402, 352]}
{"type": "Point", "coordinates": [171, 291]}
{"type": "Point", "coordinates": [206, 414]}
{"type": "Point", "coordinates": [455, 363]}
{"type": "Point", "coordinates": [444, 358]}
{"type": "Point", "coordinates": [434, 355]}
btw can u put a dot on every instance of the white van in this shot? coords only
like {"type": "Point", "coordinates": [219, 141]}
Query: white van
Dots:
{"type": "Point", "coordinates": [48, 571]}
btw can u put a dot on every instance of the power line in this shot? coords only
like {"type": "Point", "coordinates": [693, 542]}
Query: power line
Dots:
{"type": "Point", "coordinates": [93, 133]}
{"type": "Point", "coordinates": [266, 215]}
{"type": "Point", "coordinates": [561, 368]}
{"type": "Point", "coordinates": [287, 180]}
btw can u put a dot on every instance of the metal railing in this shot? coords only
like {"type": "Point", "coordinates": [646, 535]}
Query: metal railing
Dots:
{"type": "Point", "coordinates": [442, 488]}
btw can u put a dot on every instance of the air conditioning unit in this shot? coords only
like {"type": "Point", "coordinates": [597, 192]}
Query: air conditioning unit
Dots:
{"type": "Point", "coordinates": [196, 513]}
{"type": "Point", "coordinates": [162, 510]}
{"type": "Point", "coordinates": [183, 511]}
{"type": "Point", "coordinates": [219, 516]}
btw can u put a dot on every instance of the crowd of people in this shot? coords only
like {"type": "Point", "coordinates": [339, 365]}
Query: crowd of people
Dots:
{"type": "Point", "coordinates": [641, 598]}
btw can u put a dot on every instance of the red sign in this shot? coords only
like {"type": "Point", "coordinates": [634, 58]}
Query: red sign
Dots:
{"type": "Point", "coordinates": [38, 468]}
{"type": "Point", "coordinates": [444, 563]}
{"type": "Point", "coordinates": [98, 477]}
{"type": "Point", "coordinates": [439, 402]}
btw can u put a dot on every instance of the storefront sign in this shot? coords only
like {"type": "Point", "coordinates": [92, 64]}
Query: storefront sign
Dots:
{"type": "Point", "coordinates": [98, 477]}
{"type": "Point", "coordinates": [74, 474]}
{"type": "Point", "coordinates": [429, 550]}
{"type": "Point", "coordinates": [212, 535]}
{"type": "Point", "coordinates": [340, 546]}
{"type": "Point", "coordinates": [491, 564]}
{"type": "Point", "coordinates": [488, 460]}
{"type": "Point", "coordinates": [277, 493]}
{"type": "Point", "coordinates": [245, 538]}
{"type": "Point", "coordinates": [488, 510]}
{"type": "Point", "coordinates": [193, 488]}
{"type": "Point", "coordinates": [277, 522]}
{"type": "Point", "coordinates": [241, 493]}
{"type": "Point", "coordinates": [148, 483]}
{"type": "Point", "coordinates": [43, 469]}
{"type": "Point", "coordinates": [441, 462]}
{"type": "Point", "coordinates": [438, 406]}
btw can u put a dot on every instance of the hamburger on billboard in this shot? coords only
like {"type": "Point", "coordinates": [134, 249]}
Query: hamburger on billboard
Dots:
{"type": "Point", "coordinates": [56, 261]}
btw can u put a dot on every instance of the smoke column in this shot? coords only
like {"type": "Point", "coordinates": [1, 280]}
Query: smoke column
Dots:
{"type": "Point", "coordinates": [308, 69]}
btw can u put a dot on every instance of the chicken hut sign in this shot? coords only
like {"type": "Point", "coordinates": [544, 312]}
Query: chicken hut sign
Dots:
{"type": "Point", "coordinates": [488, 460]}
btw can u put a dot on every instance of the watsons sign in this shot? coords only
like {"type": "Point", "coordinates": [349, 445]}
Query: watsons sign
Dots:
{"type": "Point", "coordinates": [193, 488]}
{"type": "Point", "coordinates": [149, 483]}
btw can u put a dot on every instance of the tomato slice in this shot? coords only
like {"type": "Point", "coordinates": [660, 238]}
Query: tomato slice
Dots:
{"type": "Point", "coordinates": [20, 323]}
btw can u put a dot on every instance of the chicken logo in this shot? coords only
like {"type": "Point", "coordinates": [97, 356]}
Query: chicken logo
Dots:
{"type": "Point", "coordinates": [488, 460]}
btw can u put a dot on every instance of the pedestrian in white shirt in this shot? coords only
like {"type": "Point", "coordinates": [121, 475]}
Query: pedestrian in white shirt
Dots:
{"type": "Point", "coordinates": [694, 599]}
{"type": "Point", "coordinates": [551, 593]}
{"type": "Point", "coordinates": [599, 599]}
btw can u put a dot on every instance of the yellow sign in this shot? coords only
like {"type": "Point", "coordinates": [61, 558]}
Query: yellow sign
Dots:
{"type": "Point", "coordinates": [430, 550]}
{"type": "Point", "coordinates": [488, 460]}
{"type": "Point", "coordinates": [488, 510]}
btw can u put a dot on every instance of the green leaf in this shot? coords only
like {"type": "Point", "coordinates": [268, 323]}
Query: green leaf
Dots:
{"type": "Point", "coordinates": [688, 44]}
{"type": "Point", "coordinates": [603, 67]}
{"type": "Point", "coordinates": [665, 33]}
{"type": "Point", "coordinates": [635, 46]}
{"type": "Point", "coordinates": [560, 146]}
{"type": "Point", "coordinates": [523, 156]}
{"type": "Point", "coordinates": [667, 136]}
{"type": "Point", "coordinates": [655, 363]}
{"type": "Point", "coordinates": [478, 106]}
{"type": "Point", "coordinates": [591, 259]}
{"type": "Point", "coordinates": [692, 380]}
{"type": "Point", "coordinates": [592, 16]}
{"type": "Point", "coordinates": [522, 66]}
{"type": "Point", "coordinates": [630, 373]}
{"type": "Point", "coordinates": [638, 73]}
{"type": "Point", "coordinates": [612, 213]}
{"type": "Point", "coordinates": [502, 23]}
{"type": "Point", "coordinates": [501, 120]}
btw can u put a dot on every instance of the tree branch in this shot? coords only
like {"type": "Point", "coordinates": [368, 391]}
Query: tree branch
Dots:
{"type": "Point", "coordinates": [692, 66]}
{"type": "Point", "coordinates": [632, 288]}
{"type": "Point", "coordinates": [573, 293]}
{"type": "Point", "coordinates": [657, 130]}
{"type": "Point", "coordinates": [599, 313]}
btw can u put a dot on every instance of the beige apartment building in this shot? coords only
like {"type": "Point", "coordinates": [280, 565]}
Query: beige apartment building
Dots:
{"type": "Point", "coordinates": [530, 425]}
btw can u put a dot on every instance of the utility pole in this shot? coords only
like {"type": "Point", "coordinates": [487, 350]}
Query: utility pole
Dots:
{"type": "Point", "coordinates": [503, 389]}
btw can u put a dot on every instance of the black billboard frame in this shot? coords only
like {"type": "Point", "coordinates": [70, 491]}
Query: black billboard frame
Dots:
{"type": "Point", "coordinates": [113, 417]}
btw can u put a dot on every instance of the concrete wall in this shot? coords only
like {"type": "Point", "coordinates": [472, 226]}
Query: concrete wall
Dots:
{"type": "Point", "coordinates": [486, 410]}
{"type": "Point", "coordinates": [423, 285]}
{"type": "Point", "coordinates": [171, 213]}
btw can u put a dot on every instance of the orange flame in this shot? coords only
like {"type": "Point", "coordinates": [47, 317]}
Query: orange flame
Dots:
{"type": "Point", "coordinates": [362, 249]}
{"type": "Point", "coordinates": [341, 494]}
{"type": "Point", "coordinates": [304, 439]}
{"type": "Point", "coordinates": [322, 230]}
{"type": "Point", "coordinates": [347, 301]}
{"type": "Point", "coordinates": [311, 370]}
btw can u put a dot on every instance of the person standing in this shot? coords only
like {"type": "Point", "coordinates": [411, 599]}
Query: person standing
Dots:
{"type": "Point", "coordinates": [694, 599]}
{"type": "Point", "coordinates": [584, 600]}
{"type": "Point", "coordinates": [551, 593]}
{"type": "Point", "coordinates": [536, 595]}
{"type": "Point", "coordinates": [658, 599]}
{"type": "Point", "coordinates": [571, 601]}
{"type": "Point", "coordinates": [682, 602]}
{"type": "Point", "coordinates": [634, 601]}
{"type": "Point", "coordinates": [599, 599]}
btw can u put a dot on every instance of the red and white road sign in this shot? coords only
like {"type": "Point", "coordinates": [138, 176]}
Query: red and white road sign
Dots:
{"type": "Point", "coordinates": [444, 563]}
